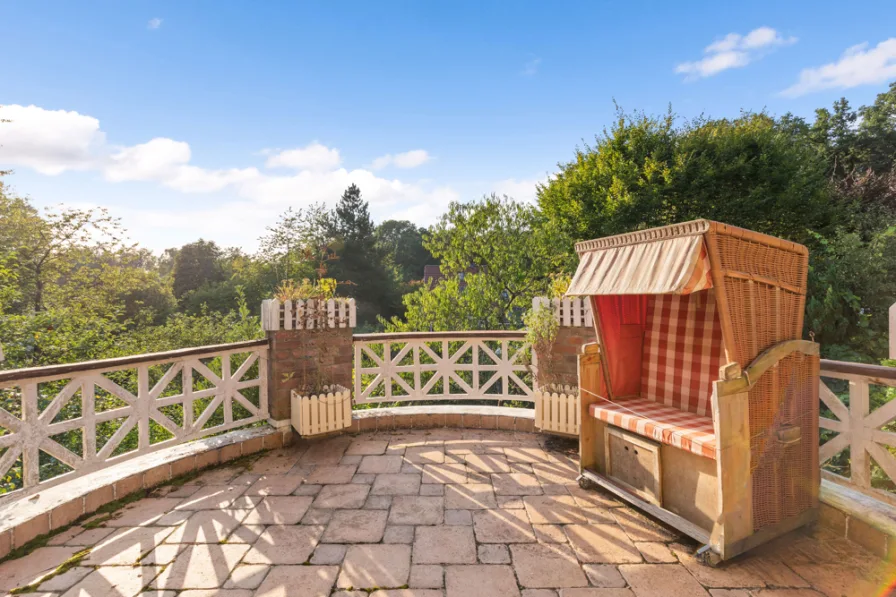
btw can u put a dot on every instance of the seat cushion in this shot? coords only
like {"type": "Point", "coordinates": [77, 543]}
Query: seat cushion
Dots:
{"type": "Point", "coordinates": [665, 424]}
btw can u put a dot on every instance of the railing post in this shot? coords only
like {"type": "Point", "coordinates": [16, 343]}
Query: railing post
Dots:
{"type": "Point", "coordinates": [893, 331]}
{"type": "Point", "coordinates": [31, 445]}
{"type": "Point", "coordinates": [860, 464]}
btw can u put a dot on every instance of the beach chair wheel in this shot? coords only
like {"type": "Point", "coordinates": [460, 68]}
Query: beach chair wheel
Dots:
{"type": "Point", "coordinates": [586, 483]}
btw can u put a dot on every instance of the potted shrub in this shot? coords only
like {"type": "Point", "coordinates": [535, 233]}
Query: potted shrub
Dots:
{"type": "Point", "coordinates": [318, 404]}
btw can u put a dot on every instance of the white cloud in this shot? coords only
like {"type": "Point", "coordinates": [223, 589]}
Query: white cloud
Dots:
{"type": "Point", "coordinates": [49, 141]}
{"type": "Point", "coordinates": [408, 159]}
{"type": "Point", "coordinates": [154, 23]}
{"type": "Point", "coordinates": [167, 162]}
{"type": "Point", "coordinates": [734, 51]}
{"type": "Point", "coordinates": [53, 142]}
{"type": "Point", "coordinates": [859, 65]}
{"type": "Point", "coordinates": [531, 68]}
{"type": "Point", "coordinates": [313, 156]}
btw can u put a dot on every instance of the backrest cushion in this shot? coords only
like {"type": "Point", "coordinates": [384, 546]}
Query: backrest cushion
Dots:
{"type": "Point", "coordinates": [683, 351]}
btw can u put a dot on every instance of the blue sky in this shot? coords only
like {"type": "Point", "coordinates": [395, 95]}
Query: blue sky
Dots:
{"type": "Point", "coordinates": [191, 119]}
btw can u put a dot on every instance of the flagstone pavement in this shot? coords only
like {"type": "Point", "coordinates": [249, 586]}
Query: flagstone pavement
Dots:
{"type": "Point", "coordinates": [428, 513]}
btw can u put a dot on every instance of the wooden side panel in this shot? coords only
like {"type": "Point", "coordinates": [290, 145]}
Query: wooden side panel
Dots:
{"type": "Point", "coordinates": [690, 486]}
{"type": "Point", "coordinates": [731, 416]}
{"type": "Point", "coordinates": [591, 388]}
{"type": "Point", "coordinates": [634, 462]}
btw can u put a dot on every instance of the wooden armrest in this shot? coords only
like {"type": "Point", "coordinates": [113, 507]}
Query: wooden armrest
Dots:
{"type": "Point", "coordinates": [735, 381]}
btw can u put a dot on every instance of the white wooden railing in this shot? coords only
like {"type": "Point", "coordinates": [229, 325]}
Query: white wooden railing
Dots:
{"type": "Point", "coordinates": [569, 311]}
{"type": "Point", "coordinates": [425, 366]}
{"type": "Point", "coordinates": [867, 432]}
{"type": "Point", "coordinates": [311, 314]}
{"type": "Point", "coordinates": [64, 421]}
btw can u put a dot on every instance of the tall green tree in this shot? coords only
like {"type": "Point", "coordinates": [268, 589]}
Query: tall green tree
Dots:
{"type": "Point", "coordinates": [647, 171]}
{"type": "Point", "coordinates": [70, 257]}
{"type": "Point", "coordinates": [359, 266]}
{"type": "Point", "coordinates": [514, 253]}
{"type": "Point", "coordinates": [196, 264]}
{"type": "Point", "coordinates": [400, 243]}
{"type": "Point", "coordinates": [287, 246]}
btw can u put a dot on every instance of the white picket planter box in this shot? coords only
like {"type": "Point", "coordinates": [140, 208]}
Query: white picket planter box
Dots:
{"type": "Point", "coordinates": [323, 413]}
{"type": "Point", "coordinates": [557, 409]}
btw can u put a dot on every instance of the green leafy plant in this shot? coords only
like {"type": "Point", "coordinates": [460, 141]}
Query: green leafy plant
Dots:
{"type": "Point", "coordinates": [542, 328]}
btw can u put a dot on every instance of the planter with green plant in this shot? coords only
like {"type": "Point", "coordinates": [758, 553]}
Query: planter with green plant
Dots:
{"type": "Point", "coordinates": [556, 403]}
{"type": "Point", "coordinates": [311, 354]}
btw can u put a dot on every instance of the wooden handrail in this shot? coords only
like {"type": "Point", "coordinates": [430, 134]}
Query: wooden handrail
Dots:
{"type": "Point", "coordinates": [765, 361]}
{"type": "Point", "coordinates": [170, 355]}
{"type": "Point", "coordinates": [425, 336]}
{"type": "Point", "coordinates": [863, 369]}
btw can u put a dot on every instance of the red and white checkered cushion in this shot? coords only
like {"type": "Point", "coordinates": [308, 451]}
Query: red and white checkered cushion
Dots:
{"type": "Point", "coordinates": [664, 424]}
{"type": "Point", "coordinates": [682, 351]}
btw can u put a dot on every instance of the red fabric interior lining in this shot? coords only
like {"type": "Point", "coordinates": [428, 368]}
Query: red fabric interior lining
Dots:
{"type": "Point", "coordinates": [622, 322]}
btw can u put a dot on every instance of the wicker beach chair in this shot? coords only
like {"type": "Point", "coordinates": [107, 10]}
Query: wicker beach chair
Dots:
{"type": "Point", "coordinates": [699, 400]}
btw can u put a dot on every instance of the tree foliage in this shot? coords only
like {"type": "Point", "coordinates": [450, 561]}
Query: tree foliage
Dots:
{"type": "Point", "coordinates": [196, 264]}
{"type": "Point", "coordinates": [511, 248]}
{"type": "Point", "coordinates": [648, 171]}
{"type": "Point", "coordinates": [359, 266]}
{"type": "Point", "coordinates": [400, 243]}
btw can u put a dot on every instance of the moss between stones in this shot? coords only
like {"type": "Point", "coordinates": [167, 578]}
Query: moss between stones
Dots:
{"type": "Point", "coordinates": [61, 569]}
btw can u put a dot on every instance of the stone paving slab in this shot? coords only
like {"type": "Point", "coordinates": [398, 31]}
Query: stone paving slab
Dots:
{"type": "Point", "coordinates": [282, 544]}
{"type": "Point", "coordinates": [280, 510]}
{"type": "Point", "coordinates": [34, 566]}
{"type": "Point", "coordinates": [421, 513]}
{"type": "Point", "coordinates": [502, 526]}
{"type": "Point", "coordinates": [356, 526]}
{"type": "Point", "coordinates": [201, 567]}
{"type": "Point", "coordinates": [416, 510]}
{"type": "Point", "coordinates": [307, 581]}
{"type": "Point", "coordinates": [351, 496]}
{"type": "Point", "coordinates": [470, 496]}
{"type": "Point", "coordinates": [375, 566]}
{"type": "Point", "coordinates": [481, 581]}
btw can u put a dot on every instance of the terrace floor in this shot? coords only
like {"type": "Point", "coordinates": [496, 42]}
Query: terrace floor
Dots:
{"type": "Point", "coordinates": [436, 513]}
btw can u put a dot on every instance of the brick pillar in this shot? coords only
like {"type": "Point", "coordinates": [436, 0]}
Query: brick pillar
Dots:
{"type": "Point", "coordinates": [566, 349]}
{"type": "Point", "coordinates": [325, 354]}
{"type": "Point", "coordinates": [310, 342]}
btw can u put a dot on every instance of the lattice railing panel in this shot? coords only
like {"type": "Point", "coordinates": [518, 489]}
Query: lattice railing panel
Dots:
{"type": "Point", "coordinates": [61, 426]}
{"type": "Point", "coordinates": [427, 368]}
{"type": "Point", "coordinates": [859, 431]}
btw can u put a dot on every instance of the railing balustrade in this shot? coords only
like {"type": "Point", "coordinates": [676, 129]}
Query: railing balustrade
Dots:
{"type": "Point", "coordinates": [64, 421]}
{"type": "Point", "coordinates": [864, 424]}
{"type": "Point", "coordinates": [427, 366]}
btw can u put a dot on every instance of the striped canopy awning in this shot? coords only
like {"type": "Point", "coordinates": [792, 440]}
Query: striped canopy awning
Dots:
{"type": "Point", "coordinates": [677, 264]}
